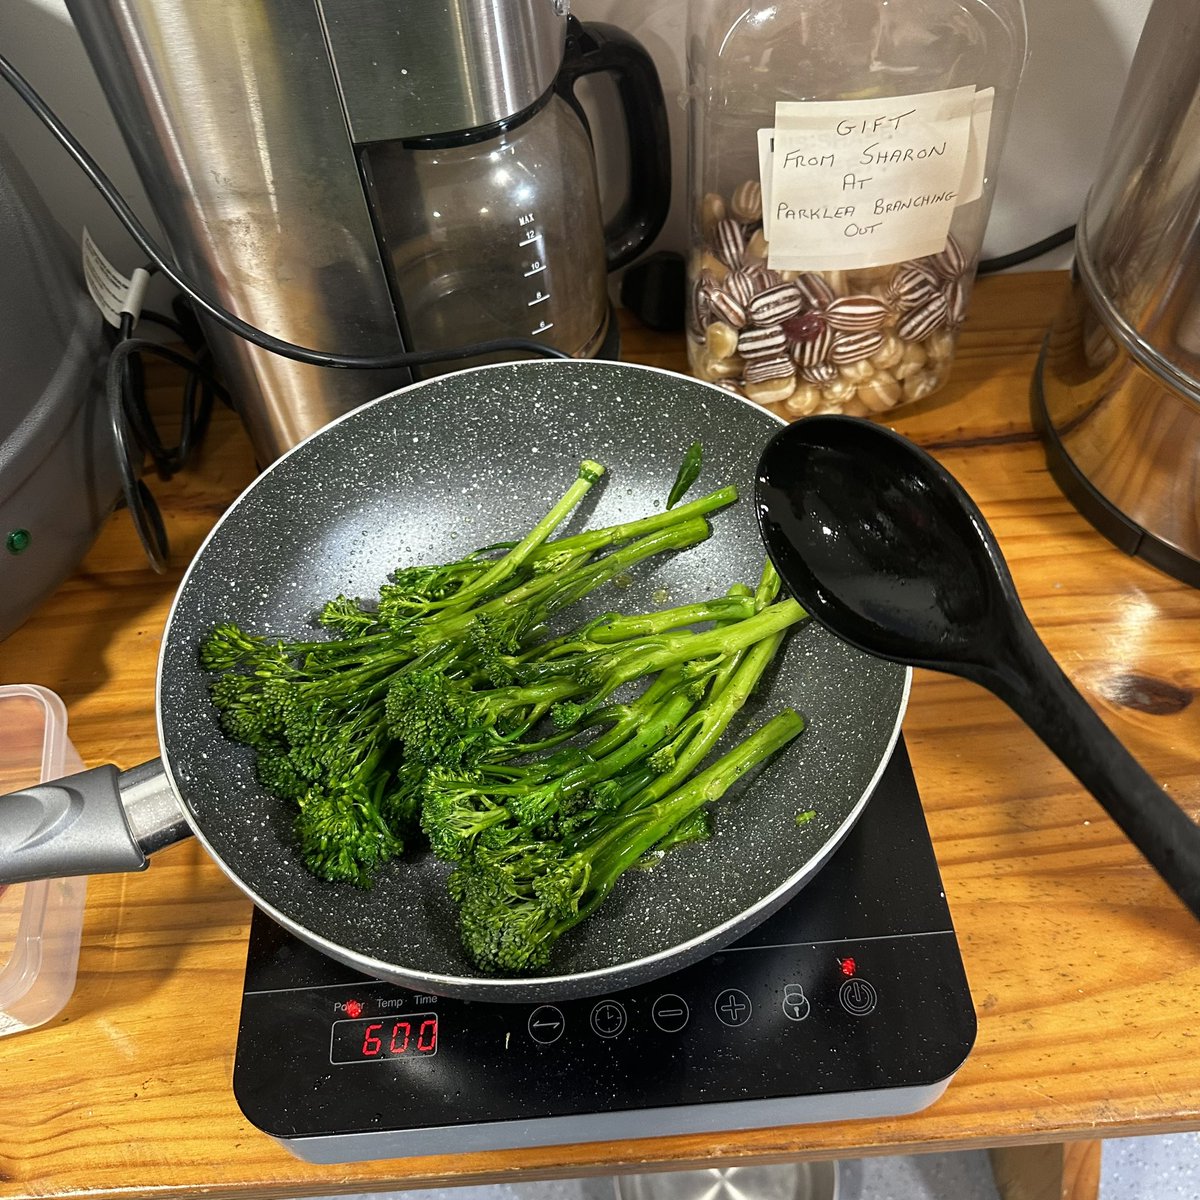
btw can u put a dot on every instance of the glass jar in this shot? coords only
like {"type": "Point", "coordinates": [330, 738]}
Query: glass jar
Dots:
{"type": "Point", "coordinates": [842, 161]}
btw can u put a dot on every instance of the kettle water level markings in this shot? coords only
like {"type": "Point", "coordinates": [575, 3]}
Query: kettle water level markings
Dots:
{"type": "Point", "coordinates": [531, 235]}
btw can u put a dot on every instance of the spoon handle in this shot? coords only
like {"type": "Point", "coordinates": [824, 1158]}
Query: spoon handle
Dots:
{"type": "Point", "coordinates": [1049, 703]}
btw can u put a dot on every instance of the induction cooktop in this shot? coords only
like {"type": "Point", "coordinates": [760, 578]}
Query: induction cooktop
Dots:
{"type": "Point", "coordinates": [850, 1002]}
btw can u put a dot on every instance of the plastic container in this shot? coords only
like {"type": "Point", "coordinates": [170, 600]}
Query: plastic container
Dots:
{"type": "Point", "coordinates": [842, 161]}
{"type": "Point", "coordinates": [40, 923]}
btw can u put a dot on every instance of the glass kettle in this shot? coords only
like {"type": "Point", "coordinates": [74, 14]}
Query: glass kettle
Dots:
{"type": "Point", "coordinates": [498, 232]}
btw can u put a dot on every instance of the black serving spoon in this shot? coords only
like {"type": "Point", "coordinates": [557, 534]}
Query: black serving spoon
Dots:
{"type": "Point", "coordinates": [887, 551]}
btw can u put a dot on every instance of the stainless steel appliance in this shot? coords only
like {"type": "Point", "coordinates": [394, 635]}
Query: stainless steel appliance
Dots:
{"type": "Point", "coordinates": [365, 176]}
{"type": "Point", "coordinates": [1117, 391]}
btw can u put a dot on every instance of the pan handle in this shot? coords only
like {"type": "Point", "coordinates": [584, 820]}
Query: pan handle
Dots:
{"type": "Point", "coordinates": [94, 823]}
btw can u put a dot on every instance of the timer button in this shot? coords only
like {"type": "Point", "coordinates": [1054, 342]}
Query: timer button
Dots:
{"type": "Point", "coordinates": [670, 1013]}
{"type": "Point", "coordinates": [546, 1024]}
{"type": "Point", "coordinates": [733, 1007]}
{"type": "Point", "coordinates": [858, 997]}
{"type": "Point", "coordinates": [608, 1018]}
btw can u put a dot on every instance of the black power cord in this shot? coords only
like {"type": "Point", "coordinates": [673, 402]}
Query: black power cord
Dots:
{"type": "Point", "coordinates": [989, 266]}
{"type": "Point", "coordinates": [134, 430]}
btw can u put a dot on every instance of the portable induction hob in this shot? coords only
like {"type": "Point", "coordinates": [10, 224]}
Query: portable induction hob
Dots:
{"type": "Point", "coordinates": [849, 1002]}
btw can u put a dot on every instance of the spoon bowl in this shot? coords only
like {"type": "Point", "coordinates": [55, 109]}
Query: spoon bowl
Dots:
{"type": "Point", "coordinates": [888, 551]}
{"type": "Point", "coordinates": [884, 546]}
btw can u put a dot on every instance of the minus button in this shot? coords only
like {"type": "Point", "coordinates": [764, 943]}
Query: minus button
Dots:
{"type": "Point", "coordinates": [670, 1013]}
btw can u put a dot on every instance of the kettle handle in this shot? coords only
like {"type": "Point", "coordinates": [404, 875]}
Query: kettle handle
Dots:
{"type": "Point", "coordinates": [593, 48]}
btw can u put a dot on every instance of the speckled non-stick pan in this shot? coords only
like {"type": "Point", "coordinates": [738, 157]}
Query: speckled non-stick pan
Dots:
{"type": "Point", "coordinates": [426, 474]}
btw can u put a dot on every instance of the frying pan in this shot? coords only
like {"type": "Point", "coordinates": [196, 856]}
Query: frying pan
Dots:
{"type": "Point", "coordinates": [426, 474]}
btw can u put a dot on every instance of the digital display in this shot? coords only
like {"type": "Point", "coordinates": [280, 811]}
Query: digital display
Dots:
{"type": "Point", "coordinates": [375, 1039]}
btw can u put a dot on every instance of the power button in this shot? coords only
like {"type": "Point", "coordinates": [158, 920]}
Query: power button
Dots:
{"type": "Point", "coordinates": [858, 997]}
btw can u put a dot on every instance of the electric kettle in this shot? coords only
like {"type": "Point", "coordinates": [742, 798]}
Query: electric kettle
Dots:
{"type": "Point", "coordinates": [367, 176]}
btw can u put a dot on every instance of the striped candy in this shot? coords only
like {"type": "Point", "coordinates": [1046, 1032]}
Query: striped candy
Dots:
{"type": "Point", "coordinates": [742, 285]}
{"type": "Point", "coordinates": [815, 350]}
{"type": "Point", "coordinates": [731, 242]}
{"type": "Point", "coordinates": [917, 325]}
{"type": "Point", "coordinates": [760, 369]}
{"type": "Point", "coordinates": [763, 276]}
{"type": "Point", "coordinates": [726, 307]}
{"type": "Point", "coordinates": [765, 341]}
{"type": "Point", "coordinates": [912, 285]}
{"type": "Point", "coordinates": [851, 313]}
{"type": "Point", "coordinates": [774, 305]}
{"type": "Point", "coordinates": [701, 305]}
{"type": "Point", "coordinates": [854, 347]}
{"type": "Point", "coordinates": [818, 373]}
{"type": "Point", "coordinates": [949, 261]}
{"type": "Point", "coordinates": [746, 201]}
{"type": "Point", "coordinates": [956, 302]}
{"type": "Point", "coordinates": [814, 290]}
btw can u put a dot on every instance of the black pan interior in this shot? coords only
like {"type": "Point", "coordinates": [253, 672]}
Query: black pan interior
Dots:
{"type": "Point", "coordinates": [463, 461]}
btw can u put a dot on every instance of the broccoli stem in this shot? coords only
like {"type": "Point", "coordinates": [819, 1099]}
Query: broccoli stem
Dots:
{"type": "Point", "coordinates": [729, 664]}
{"type": "Point", "coordinates": [546, 594]}
{"type": "Point", "coordinates": [621, 845]}
{"type": "Point", "coordinates": [534, 802]}
{"type": "Point", "coordinates": [628, 718]}
{"type": "Point", "coordinates": [769, 584]}
{"type": "Point", "coordinates": [589, 473]}
{"type": "Point", "coordinates": [680, 536]}
{"type": "Point", "coordinates": [709, 722]}
{"type": "Point", "coordinates": [620, 628]}
{"type": "Point", "coordinates": [594, 540]}
{"type": "Point", "coordinates": [645, 656]}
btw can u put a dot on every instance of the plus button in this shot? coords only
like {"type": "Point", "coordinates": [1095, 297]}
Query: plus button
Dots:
{"type": "Point", "coordinates": [733, 1007]}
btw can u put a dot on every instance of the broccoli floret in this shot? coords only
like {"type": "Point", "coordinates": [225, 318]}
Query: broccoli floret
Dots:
{"type": "Point", "coordinates": [343, 838]}
{"type": "Point", "coordinates": [228, 646]}
{"type": "Point", "coordinates": [429, 713]}
{"type": "Point", "coordinates": [456, 813]}
{"type": "Point", "coordinates": [348, 617]}
{"type": "Point", "coordinates": [567, 714]}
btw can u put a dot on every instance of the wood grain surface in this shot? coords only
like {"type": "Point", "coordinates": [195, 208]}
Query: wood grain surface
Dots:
{"type": "Point", "coordinates": [1084, 968]}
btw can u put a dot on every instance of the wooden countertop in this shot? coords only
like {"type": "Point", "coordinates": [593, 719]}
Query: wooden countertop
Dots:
{"type": "Point", "coordinates": [1084, 968]}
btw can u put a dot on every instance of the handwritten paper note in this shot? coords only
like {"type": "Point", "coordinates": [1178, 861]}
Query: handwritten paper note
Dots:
{"type": "Point", "coordinates": [861, 183]}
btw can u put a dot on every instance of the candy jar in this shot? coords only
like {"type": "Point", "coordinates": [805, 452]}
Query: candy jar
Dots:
{"type": "Point", "coordinates": [842, 160]}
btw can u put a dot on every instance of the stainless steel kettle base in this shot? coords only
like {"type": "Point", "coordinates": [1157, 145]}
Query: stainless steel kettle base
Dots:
{"type": "Point", "coordinates": [1124, 533]}
{"type": "Point", "coordinates": [788, 1181]}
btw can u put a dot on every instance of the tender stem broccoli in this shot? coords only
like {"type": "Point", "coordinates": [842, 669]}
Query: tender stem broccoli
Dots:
{"type": "Point", "coordinates": [452, 713]}
{"type": "Point", "coordinates": [516, 901]}
{"type": "Point", "coordinates": [465, 806]}
{"type": "Point", "coordinates": [604, 668]}
{"type": "Point", "coordinates": [589, 473]}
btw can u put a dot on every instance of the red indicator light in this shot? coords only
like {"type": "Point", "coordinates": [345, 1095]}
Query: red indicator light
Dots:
{"type": "Point", "coordinates": [353, 1008]}
{"type": "Point", "coordinates": [848, 966]}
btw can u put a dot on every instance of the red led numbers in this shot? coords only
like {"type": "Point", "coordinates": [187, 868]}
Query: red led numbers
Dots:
{"type": "Point", "coordinates": [376, 1040]}
{"type": "Point", "coordinates": [371, 1045]}
{"type": "Point", "coordinates": [427, 1036]}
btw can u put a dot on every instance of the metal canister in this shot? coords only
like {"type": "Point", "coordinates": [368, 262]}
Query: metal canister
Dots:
{"type": "Point", "coordinates": [1116, 395]}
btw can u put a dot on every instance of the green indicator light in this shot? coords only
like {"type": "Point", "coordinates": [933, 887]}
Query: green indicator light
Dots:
{"type": "Point", "coordinates": [18, 540]}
